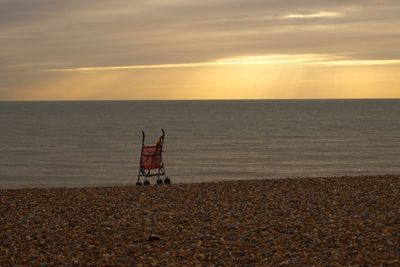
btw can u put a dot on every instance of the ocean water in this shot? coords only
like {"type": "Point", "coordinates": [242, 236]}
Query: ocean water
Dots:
{"type": "Point", "coordinates": [98, 143]}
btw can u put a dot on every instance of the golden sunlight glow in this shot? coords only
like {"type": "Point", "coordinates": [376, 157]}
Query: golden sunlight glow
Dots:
{"type": "Point", "coordinates": [235, 78]}
{"type": "Point", "coordinates": [274, 60]}
{"type": "Point", "coordinates": [362, 62]}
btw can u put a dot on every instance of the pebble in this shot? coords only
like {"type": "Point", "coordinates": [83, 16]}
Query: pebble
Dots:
{"type": "Point", "coordinates": [346, 221]}
{"type": "Point", "coordinates": [153, 238]}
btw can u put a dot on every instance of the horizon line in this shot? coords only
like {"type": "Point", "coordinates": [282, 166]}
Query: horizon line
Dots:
{"type": "Point", "coordinates": [200, 99]}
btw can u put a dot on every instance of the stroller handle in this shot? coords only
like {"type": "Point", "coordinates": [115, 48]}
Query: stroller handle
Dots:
{"type": "Point", "coordinates": [144, 135]}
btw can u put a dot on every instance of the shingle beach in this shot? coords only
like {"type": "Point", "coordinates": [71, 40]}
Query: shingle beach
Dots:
{"type": "Point", "coordinates": [283, 222]}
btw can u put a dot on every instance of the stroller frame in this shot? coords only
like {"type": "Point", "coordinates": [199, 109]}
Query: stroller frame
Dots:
{"type": "Point", "coordinates": [150, 160]}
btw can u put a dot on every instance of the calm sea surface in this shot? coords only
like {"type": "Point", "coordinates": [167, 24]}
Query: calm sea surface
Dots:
{"type": "Point", "coordinates": [98, 143]}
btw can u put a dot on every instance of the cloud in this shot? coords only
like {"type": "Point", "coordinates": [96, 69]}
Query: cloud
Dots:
{"type": "Point", "coordinates": [79, 33]}
{"type": "Point", "coordinates": [66, 35]}
{"type": "Point", "coordinates": [321, 14]}
{"type": "Point", "coordinates": [266, 60]}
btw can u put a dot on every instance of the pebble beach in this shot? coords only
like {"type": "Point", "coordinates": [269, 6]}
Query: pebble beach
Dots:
{"type": "Point", "coordinates": [284, 222]}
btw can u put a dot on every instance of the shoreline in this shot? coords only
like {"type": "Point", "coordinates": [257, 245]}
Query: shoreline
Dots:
{"type": "Point", "coordinates": [112, 185]}
{"type": "Point", "coordinates": [292, 221]}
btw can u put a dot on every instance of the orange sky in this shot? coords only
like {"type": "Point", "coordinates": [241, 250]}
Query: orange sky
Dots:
{"type": "Point", "coordinates": [199, 50]}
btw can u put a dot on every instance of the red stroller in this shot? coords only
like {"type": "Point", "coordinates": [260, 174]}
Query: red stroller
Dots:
{"type": "Point", "coordinates": [151, 163]}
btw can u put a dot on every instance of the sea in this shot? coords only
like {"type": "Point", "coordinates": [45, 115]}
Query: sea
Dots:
{"type": "Point", "coordinates": [98, 143]}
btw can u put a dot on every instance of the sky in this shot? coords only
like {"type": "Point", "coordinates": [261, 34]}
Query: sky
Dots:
{"type": "Point", "coordinates": [187, 49]}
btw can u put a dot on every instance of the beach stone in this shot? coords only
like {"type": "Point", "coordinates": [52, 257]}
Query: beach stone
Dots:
{"type": "Point", "coordinates": [153, 238]}
{"type": "Point", "coordinates": [343, 221]}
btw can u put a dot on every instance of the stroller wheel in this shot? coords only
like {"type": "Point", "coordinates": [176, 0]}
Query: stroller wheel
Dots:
{"type": "Point", "coordinates": [159, 181]}
{"type": "Point", "coordinates": [167, 180]}
{"type": "Point", "coordinates": [146, 182]}
{"type": "Point", "coordinates": [138, 183]}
